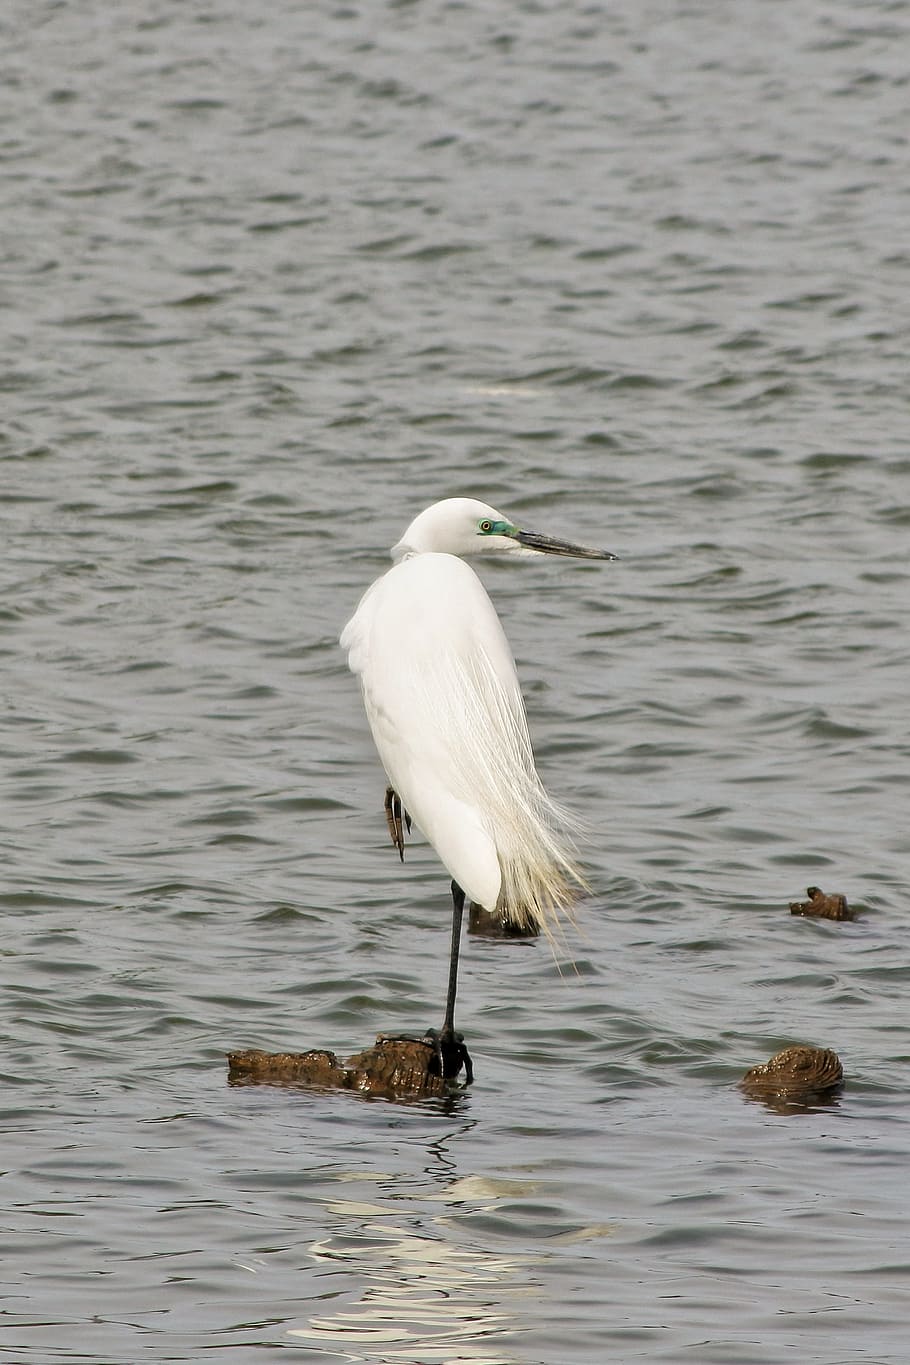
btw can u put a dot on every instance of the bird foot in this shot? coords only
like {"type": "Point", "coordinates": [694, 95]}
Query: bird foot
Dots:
{"type": "Point", "coordinates": [449, 1054]}
{"type": "Point", "coordinates": [395, 814]}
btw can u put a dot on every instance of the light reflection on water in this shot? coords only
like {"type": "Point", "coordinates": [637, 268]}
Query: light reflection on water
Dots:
{"type": "Point", "coordinates": [424, 1299]}
{"type": "Point", "coordinates": [430, 1295]}
{"type": "Point", "coordinates": [427, 1289]}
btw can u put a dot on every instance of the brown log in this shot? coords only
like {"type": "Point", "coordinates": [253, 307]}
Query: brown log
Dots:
{"type": "Point", "coordinates": [395, 1068]}
{"type": "Point", "coordinates": [820, 906]}
{"type": "Point", "coordinates": [794, 1077]}
{"type": "Point", "coordinates": [490, 924]}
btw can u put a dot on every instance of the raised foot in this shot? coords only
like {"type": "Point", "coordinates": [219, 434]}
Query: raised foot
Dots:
{"type": "Point", "coordinates": [395, 813]}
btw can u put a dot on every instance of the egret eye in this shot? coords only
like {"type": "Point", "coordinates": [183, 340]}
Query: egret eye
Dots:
{"type": "Point", "coordinates": [486, 527]}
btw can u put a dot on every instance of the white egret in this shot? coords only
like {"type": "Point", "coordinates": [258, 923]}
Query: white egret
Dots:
{"type": "Point", "coordinates": [443, 702]}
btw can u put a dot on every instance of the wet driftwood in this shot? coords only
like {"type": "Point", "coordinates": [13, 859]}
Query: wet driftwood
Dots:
{"type": "Point", "coordinates": [821, 906]}
{"type": "Point", "coordinates": [394, 1068]}
{"type": "Point", "coordinates": [795, 1076]}
{"type": "Point", "coordinates": [490, 924]}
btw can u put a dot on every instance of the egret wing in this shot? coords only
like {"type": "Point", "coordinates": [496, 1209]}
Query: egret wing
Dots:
{"type": "Point", "coordinates": [443, 702]}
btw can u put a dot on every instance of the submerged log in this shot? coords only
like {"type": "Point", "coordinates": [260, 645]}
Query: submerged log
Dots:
{"type": "Point", "coordinates": [490, 924]}
{"type": "Point", "coordinates": [394, 1068]}
{"type": "Point", "coordinates": [820, 906]}
{"type": "Point", "coordinates": [254, 1067]}
{"type": "Point", "coordinates": [794, 1077]}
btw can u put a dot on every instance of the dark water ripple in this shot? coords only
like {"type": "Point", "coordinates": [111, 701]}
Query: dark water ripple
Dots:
{"type": "Point", "coordinates": [272, 280]}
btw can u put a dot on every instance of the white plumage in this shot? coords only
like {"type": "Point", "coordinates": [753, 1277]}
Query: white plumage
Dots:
{"type": "Point", "coordinates": [444, 705]}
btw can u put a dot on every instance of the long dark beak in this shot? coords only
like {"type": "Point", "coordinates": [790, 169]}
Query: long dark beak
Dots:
{"type": "Point", "coordinates": [548, 546]}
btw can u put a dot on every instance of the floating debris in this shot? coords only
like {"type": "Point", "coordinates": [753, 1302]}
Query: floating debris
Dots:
{"type": "Point", "coordinates": [394, 1068]}
{"type": "Point", "coordinates": [821, 906]}
{"type": "Point", "coordinates": [491, 924]}
{"type": "Point", "coordinates": [795, 1077]}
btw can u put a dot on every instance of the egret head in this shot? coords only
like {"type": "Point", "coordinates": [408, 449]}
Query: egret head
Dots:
{"type": "Point", "coordinates": [464, 526]}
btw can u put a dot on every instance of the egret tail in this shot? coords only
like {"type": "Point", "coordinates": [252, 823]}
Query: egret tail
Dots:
{"type": "Point", "coordinates": [540, 877]}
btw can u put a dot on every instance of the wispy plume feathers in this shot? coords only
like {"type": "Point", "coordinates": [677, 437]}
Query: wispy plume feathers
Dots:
{"type": "Point", "coordinates": [489, 747]}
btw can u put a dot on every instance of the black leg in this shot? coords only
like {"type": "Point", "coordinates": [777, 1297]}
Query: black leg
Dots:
{"type": "Point", "coordinates": [448, 1024]}
{"type": "Point", "coordinates": [451, 1053]}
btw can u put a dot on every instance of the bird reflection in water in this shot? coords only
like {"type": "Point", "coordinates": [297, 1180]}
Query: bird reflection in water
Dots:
{"type": "Point", "coordinates": [426, 1298]}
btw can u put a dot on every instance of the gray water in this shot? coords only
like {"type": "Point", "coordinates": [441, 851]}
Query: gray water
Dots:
{"type": "Point", "coordinates": [274, 278]}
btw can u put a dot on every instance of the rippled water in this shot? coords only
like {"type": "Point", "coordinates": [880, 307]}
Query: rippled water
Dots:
{"type": "Point", "coordinates": [274, 278]}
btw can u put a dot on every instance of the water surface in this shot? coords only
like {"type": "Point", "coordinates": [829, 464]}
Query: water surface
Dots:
{"type": "Point", "coordinates": [273, 280]}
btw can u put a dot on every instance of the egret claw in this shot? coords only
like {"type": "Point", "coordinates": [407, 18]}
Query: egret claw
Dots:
{"type": "Point", "coordinates": [450, 1054]}
{"type": "Point", "coordinates": [394, 812]}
